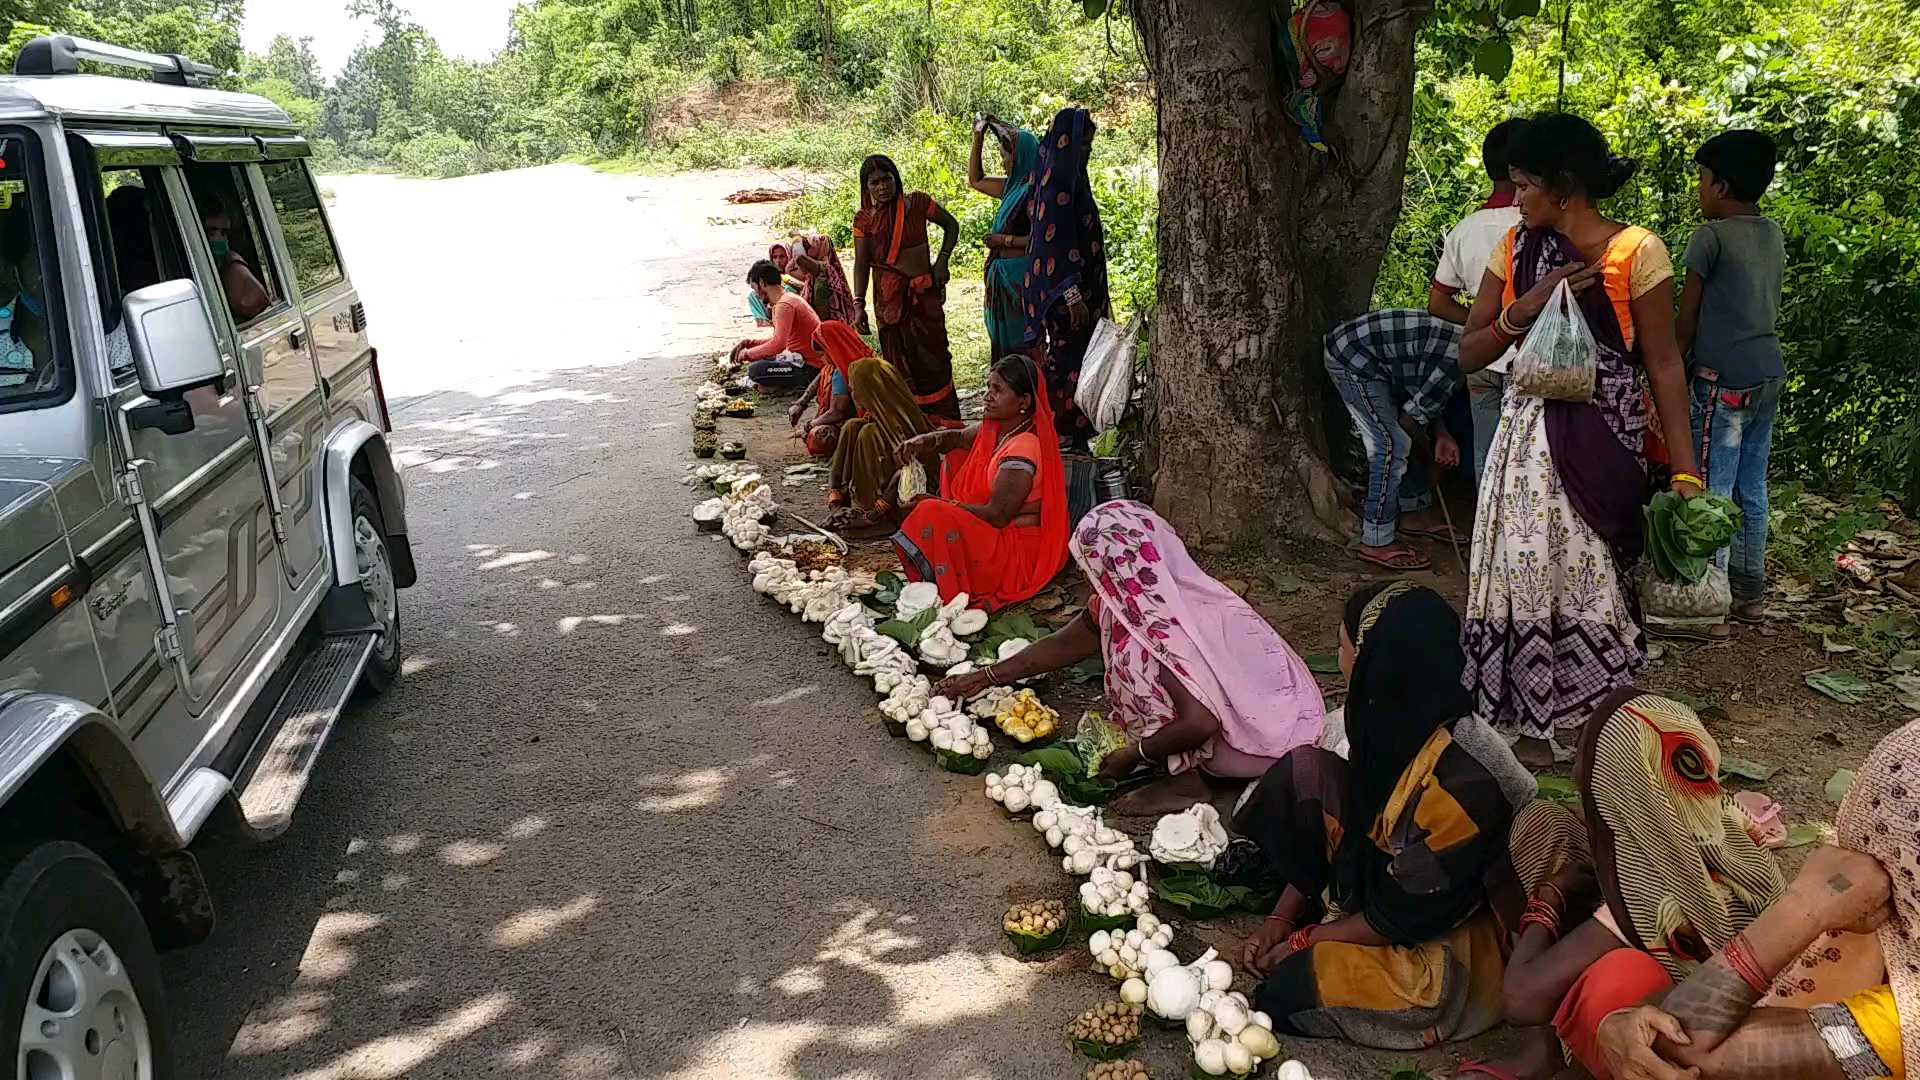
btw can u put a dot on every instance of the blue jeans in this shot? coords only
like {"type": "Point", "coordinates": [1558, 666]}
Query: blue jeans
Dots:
{"type": "Point", "coordinates": [1733, 436]}
{"type": "Point", "coordinates": [1396, 481]}
{"type": "Point", "coordinates": [1486, 389]}
{"type": "Point", "coordinates": [784, 370]}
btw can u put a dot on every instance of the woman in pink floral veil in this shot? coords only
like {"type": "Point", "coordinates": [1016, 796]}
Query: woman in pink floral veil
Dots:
{"type": "Point", "coordinates": [1202, 685]}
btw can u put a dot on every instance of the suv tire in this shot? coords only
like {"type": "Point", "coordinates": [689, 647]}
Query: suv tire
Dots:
{"type": "Point", "coordinates": [79, 979]}
{"type": "Point", "coordinates": [375, 563]}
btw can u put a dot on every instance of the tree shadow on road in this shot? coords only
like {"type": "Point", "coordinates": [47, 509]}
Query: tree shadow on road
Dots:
{"type": "Point", "coordinates": [621, 818]}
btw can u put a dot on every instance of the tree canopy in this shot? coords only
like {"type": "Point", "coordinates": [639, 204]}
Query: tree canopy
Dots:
{"type": "Point", "coordinates": [815, 84]}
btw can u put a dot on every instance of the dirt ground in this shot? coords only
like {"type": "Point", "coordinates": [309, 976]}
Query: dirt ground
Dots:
{"type": "Point", "coordinates": [1750, 690]}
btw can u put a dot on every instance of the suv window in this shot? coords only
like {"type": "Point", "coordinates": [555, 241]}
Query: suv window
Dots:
{"type": "Point", "coordinates": [134, 243]}
{"type": "Point", "coordinates": [238, 240]}
{"type": "Point", "coordinates": [316, 264]}
{"type": "Point", "coordinates": [34, 369]}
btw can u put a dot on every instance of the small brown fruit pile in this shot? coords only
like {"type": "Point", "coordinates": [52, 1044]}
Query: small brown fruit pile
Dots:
{"type": "Point", "coordinates": [808, 555]}
{"type": "Point", "coordinates": [1036, 918]}
{"type": "Point", "coordinates": [1118, 1070]}
{"type": "Point", "coordinates": [1112, 1024]}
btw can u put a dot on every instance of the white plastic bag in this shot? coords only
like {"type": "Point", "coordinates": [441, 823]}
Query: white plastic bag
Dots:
{"type": "Point", "coordinates": [1106, 375]}
{"type": "Point", "coordinates": [1678, 603]}
{"type": "Point", "coordinates": [1558, 358]}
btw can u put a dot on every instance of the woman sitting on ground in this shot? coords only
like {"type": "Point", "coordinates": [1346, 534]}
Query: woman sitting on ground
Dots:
{"type": "Point", "coordinates": [1201, 683]}
{"type": "Point", "coordinates": [998, 531]}
{"type": "Point", "coordinates": [1674, 874]}
{"type": "Point", "coordinates": [1407, 840]}
{"type": "Point", "coordinates": [829, 394]}
{"type": "Point", "coordinates": [1825, 984]}
{"type": "Point", "coordinates": [778, 255]}
{"type": "Point", "coordinates": [814, 265]}
{"type": "Point", "coordinates": [861, 483]}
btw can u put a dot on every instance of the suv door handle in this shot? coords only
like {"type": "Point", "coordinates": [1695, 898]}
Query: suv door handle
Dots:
{"type": "Point", "coordinates": [298, 339]}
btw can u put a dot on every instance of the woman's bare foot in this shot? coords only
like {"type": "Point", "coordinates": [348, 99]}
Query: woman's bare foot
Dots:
{"type": "Point", "coordinates": [1169, 796]}
{"type": "Point", "coordinates": [1536, 1056]}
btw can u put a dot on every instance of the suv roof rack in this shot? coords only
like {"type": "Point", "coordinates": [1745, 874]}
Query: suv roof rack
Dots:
{"type": "Point", "coordinates": [61, 54]}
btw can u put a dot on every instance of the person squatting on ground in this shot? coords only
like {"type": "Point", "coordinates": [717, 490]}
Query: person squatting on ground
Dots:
{"type": "Point", "coordinates": [1202, 685]}
{"type": "Point", "coordinates": [1396, 370]}
{"type": "Point", "coordinates": [788, 356]}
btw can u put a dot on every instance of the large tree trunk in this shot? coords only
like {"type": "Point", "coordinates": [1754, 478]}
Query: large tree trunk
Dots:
{"type": "Point", "coordinates": [1264, 244]}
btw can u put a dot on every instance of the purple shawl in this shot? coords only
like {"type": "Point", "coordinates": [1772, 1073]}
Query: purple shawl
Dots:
{"type": "Point", "coordinates": [1595, 445]}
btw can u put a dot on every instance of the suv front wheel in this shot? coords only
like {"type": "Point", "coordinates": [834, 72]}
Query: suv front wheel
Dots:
{"type": "Point", "coordinates": [80, 992]}
{"type": "Point", "coordinates": [375, 563]}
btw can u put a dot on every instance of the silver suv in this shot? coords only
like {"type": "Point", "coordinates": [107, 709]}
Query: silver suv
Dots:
{"type": "Point", "coordinates": [201, 527]}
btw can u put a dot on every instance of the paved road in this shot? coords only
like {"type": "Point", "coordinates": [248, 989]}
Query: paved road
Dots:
{"type": "Point", "coordinates": [619, 819]}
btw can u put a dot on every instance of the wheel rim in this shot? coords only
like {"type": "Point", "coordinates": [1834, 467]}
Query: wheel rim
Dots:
{"type": "Point", "coordinates": [83, 1018]}
{"type": "Point", "coordinates": [376, 580]}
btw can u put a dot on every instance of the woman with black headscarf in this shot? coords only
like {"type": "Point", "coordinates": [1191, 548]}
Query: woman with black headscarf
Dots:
{"type": "Point", "coordinates": [1405, 843]}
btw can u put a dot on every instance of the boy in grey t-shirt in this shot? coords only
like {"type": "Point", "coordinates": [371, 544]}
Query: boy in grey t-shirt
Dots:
{"type": "Point", "coordinates": [1726, 327]}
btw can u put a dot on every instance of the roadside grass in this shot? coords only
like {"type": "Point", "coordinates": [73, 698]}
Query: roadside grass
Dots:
{"type": "Point", "coordinates": [802, 146]}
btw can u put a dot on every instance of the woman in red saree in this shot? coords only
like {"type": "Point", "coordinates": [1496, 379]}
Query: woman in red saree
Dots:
{"type": "Point", "coordinates": [909, 282]}
{"type": "Point", "coordinates": [999, 532]}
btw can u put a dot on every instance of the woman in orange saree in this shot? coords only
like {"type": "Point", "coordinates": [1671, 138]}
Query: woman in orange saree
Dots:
{"type": "Point", "coordinates": [829, 393]}
{"type": "Point", "coordinates": [999, 530]}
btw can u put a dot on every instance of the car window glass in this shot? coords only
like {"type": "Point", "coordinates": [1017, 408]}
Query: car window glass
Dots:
{"type": "Point", "coordinates": [232, 224]}
{"type": "Point", "coordinates": [141, 248]}
{"type": "Point", "coordinates": [33, 366]}
{"type": "Point", "coordinates": [315, 262]}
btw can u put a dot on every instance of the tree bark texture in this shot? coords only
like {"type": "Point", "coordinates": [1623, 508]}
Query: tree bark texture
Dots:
{"type": "Point", "coordinates": [1264, 244]}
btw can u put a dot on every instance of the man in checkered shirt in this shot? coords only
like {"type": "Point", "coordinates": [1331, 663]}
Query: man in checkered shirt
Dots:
{"type": "Point", "coordinates": [1396, 370]}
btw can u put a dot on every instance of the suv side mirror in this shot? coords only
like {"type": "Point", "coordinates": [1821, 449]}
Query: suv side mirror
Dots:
{"type": "Point", "coordinates": [174, 348]}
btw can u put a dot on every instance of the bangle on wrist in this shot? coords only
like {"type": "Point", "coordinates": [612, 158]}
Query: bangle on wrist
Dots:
{"type": "Point", "coordinates": [1301, 940]}
{"type": "Point", "coordinates": [1739, 957]}
{"type": "Point", "coordinates": [1688, 478]}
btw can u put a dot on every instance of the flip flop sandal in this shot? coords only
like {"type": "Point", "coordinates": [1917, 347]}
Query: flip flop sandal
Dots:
{"type": "Point", "coordinates": [1406, 559]}
{"type": "Point", "coordinates": [1437, 532]}
{"type": "Point", "coordinates": [1702, 634]}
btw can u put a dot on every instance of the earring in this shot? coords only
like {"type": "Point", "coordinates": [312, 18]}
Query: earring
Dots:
{"type": "Point", "coordinates": [1563, 204]}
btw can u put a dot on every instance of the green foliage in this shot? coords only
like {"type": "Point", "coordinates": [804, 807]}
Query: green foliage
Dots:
{"type": "Point", "coordinates": [1806, 531]}
{"type": "Point", "coordinates": [1834, 83]}
{"type": "Point", "coordinates": [814, 85]}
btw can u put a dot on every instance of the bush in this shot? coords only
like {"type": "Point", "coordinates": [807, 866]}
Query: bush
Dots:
{"type": "Point", "coordinates": [441, 155]}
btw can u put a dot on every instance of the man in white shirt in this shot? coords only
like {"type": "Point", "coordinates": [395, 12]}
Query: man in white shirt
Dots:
{"type": "Point", "coordinates": [1463, 262]}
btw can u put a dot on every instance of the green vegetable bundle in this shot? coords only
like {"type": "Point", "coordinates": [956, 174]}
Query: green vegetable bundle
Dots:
{"type": "Point", "coordinates": [1069, 773]}
{"type": "Point", "coordinates": [1095, 737]}
{"type": "Point", "coordinates": [1683, 534]}
{"type": "Point", "coordinates": [1197, 893]}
